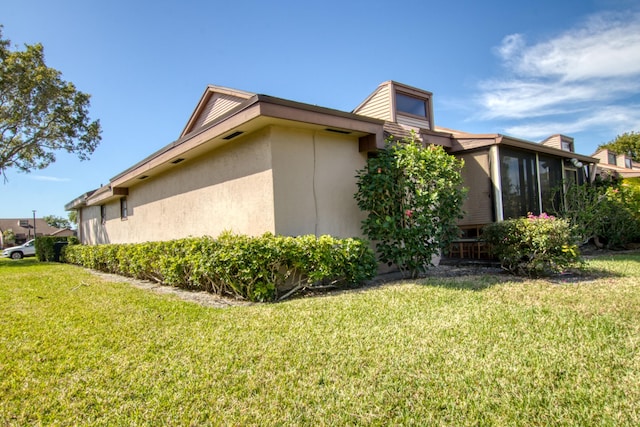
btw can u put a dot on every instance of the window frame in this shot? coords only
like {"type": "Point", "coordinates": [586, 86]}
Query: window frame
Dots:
{"type": "Point", "coordinates": [124, 211]}
{"type": "Point", "coordinates": [527, 199]}
{"type": "Point", "coordinates": [424, 102]}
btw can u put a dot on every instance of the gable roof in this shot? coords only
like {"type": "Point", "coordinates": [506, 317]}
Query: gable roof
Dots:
{"type": "Point", "coordinates": [221, 115]}
{"type": "Point", "coordinates": [214, 102]}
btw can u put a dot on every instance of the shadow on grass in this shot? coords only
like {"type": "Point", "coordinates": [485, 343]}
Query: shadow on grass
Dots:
{"type": "Point", "coordinates": [481, 279]}
{"type": "Point", "coordinates": [7, 262]}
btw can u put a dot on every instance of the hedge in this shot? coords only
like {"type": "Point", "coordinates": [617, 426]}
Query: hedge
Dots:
{"type": "Point", "coordinates": [264, 268]}
{"type": "Point", "coordinates": [45, 246]}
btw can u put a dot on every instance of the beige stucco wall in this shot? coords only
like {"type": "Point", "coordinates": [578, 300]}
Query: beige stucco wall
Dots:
{"type": "Point", "coordinates": [89, 227]}
{"type": "Point", "coordinates": [230, 188]}
{"type": "Point", "coordinates": [314, 182]}
{"type": "Point", "coordinates": [282, 180]}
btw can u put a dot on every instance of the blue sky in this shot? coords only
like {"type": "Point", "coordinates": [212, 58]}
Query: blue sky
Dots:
{"type": "Point", "coordinates": [526, 69]}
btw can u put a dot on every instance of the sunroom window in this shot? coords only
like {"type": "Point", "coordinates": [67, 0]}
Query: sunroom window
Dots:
{"type": "Point", "coordinates": [550, 171]}
{"type": "Point", "coordinates": [519, 183]}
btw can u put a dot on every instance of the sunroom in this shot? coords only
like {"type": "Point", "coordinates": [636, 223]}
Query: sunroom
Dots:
{"type": "Point", "coordinates": [510, 178]}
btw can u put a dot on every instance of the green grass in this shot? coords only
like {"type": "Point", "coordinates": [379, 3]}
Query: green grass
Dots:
{"type": "Point", "coordinates": [78, 350]}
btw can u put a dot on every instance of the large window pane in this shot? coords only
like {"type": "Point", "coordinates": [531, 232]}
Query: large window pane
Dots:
{"type": "Point", "coordinates": [519, 183]}
{"type": "Point", "coordinates": [550, 171]}
{"type": "Point", "coordinates": [411, 105]}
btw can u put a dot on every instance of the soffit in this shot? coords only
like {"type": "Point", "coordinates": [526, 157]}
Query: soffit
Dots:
{"type": "Point", "coordinates": [256, 113]}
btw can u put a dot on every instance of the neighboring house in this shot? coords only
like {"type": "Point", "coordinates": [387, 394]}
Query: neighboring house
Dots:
{"type": "Point", "coordinates": [23, 229]}
{"type": "Point", "coordinates": [252, 163]}
{"type": "Point", "coordinates": [618, 165]}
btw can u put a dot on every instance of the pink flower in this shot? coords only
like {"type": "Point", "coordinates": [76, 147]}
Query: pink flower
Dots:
{"type": "Point", "coordinates": [543, 215]}
{"type": "Point", "coordinates": [408, 213]}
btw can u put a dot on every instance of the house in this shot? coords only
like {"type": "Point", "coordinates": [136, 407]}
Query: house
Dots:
{"type": "Point", "coordinates": [617, 165]}
{"type": "Point", "coordinates": [24, 230]}
{"type": "Point", "coordinates": [252, 163]}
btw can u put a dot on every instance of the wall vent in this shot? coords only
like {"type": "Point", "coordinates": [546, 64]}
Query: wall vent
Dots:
{"type": "Point", "coordinates": [344, 132]}
{"type": "Point", "coordinates": [233, 135]}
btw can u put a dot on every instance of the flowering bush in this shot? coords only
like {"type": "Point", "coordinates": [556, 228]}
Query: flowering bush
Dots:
{"type": "Point", "coordinates": [413, 198]}
{"type": "Point", "coordinates": [533, 246]}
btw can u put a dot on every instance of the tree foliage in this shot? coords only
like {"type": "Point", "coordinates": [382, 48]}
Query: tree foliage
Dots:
{"type": "Point", "coordinates": [73, 217]}
{"type": "Point", "coordinates": [413, 198]}
{"type": "Point", "coordinates": [9, 236]}
{"type": "Point", "coordinates": [40, 113]}
{"type": "Point", "coordinates": [57, 221]}
{"type": "Point", "coordinates": [628, 143]}
{"type": "Point", "coordinates": [607, 212]}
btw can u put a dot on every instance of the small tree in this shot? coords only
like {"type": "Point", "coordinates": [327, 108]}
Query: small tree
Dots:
{"type": "Point", "coordinates": [413, 197]}
{"type": "Point", "coordinates": [607, 212]}
{"type": "Point", "coordinates": [9, 237]}
{"type": "Point", "coordinates": [40, 113]}
{"type": "Point", "coordinates": [57, 221]}
{"type": "Point", "coordinates": [73, 217]}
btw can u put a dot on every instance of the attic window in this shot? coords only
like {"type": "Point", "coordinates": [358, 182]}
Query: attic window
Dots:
{"type": "Point", "coordinates": [567, 145]}
{"type": "Point", "coordinates": [410, 105]}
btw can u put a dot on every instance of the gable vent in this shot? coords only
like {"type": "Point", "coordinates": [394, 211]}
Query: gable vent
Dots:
{"type": "Point", "coordinates": [344, 132]}
{"type": "Point", "coordinates": [143, 177]}
{"type": "Point", "coordinates": [176, 161]}
{"type": "Point", "coordinates": [233, 135]}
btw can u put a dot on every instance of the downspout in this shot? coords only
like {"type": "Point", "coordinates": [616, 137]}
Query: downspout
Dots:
{"type": "Point", "coordinates": [496, 180]}
{"type": "Point", "coordinates": [538, 183]}
{"type": "Point", "coordinates": [593, 169]}
{"type": "Point", "coordinates": [79, 225]}
{"type": "Point", "coordinates": [315, 196]}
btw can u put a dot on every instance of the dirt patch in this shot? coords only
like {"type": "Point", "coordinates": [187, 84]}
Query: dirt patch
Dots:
{"type": "Point", "coordinates": [203, 298]}
{"type": "Point", "coordinates": [208, 299]}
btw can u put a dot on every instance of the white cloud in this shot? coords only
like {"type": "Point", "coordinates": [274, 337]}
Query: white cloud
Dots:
{"type": "Point", "coordinates": [595, 64]}
{"type": "Point", "coordinates": [48, 178]}
{"type": "Point", "coordinates": [605, 46]}
{"type": "Point", "coordinates": [619, 119]}
{"type": "Point", "coordinates": [529, 98]}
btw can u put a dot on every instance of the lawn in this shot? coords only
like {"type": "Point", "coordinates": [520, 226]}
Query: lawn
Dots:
{"type": "Point", "coordinates": [76, 349]}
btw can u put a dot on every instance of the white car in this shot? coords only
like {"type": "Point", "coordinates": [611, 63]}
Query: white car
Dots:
{"type": "Point", "coordinates": [19, 252]}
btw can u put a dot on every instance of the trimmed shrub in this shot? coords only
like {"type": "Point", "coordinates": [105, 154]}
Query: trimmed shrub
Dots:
{"type": "Point", "coordinates": [46, 247]}
{"type": "Point", "coordinates": [533, 246]}
{"type": "Point", "coordinates": [264, 268]}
